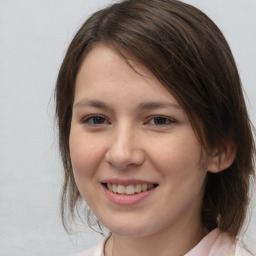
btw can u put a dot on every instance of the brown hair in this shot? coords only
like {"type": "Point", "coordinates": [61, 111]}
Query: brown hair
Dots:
{"type": "Point", "coordinates": [187, 52]}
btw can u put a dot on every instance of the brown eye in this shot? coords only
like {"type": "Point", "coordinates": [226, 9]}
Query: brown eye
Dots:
{"type": "Point", "coordinates": [95, 120]}
{"type": "Point", "coordinates": [160, 120]}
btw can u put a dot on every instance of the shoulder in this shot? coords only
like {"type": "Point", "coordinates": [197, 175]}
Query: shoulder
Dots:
{"type": "Point", "coordinates": [94, 251]}
{"type": "Point", "coordinates": [227, 245]}
{"type": "Point", "coordinates": [220, 243]}
{"type": "Point", "coordinates": [241, 251]}
{"type": "Point", "coordinates": [97, 250]}
{"type": "Point", "coordinates": [215, 243]}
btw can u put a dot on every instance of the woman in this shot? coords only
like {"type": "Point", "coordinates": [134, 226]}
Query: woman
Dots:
{"type": "Point", "coordinates": [154, 131]}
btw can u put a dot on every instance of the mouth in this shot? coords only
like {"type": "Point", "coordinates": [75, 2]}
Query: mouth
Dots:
{"type": "Point", "coordinates": [130, 189]}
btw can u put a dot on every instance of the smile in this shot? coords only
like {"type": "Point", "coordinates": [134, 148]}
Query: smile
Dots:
{"type": "Point", "coordinates": [130, 189]}
{"type": "Point", "coordinates": [128, 192]}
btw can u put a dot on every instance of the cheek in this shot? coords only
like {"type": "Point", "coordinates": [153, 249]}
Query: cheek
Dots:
{"type": "Point", "coordinates": [85, 159]}
{"type": "Point", "coordinates": [179, 153]}
{"type": "Point", "coordinates": [85, 154]}
{"type": "Point", "coordinates": [180, 162]}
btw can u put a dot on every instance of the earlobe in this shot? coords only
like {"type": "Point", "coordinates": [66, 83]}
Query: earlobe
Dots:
{"type": "Point", "coordinates": [222, 158]}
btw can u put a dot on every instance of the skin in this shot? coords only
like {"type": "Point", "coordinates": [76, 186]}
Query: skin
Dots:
{"type": "Point", "coordinates": [126, 142]}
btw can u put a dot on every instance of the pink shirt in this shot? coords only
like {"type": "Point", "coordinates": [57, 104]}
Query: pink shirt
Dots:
{"type": "Point", "coordinates": [213, 244]}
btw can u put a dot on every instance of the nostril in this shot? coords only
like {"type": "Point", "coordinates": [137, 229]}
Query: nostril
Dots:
{"type": "Point", "coordinates": [125, 160]}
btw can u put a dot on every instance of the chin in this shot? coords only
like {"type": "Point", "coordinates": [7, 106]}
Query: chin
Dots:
{"type": "Point", "coordinates": [130, 230]}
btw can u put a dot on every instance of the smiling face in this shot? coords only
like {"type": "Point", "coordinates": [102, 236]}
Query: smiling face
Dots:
{"type": "Point", "coordinates": [135, 157]}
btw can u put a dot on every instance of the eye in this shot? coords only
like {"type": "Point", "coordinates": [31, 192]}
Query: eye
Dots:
{"type": "Point", "coordinates": [160, 120]}
{"type": "Point", "coordinates": [95, 120]}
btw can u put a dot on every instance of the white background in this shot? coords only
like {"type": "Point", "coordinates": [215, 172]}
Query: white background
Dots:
{"type": "Point", "coordinates": [34, 35]}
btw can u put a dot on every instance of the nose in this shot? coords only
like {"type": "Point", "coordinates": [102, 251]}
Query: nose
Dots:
{"type": "Point", "coordinates": [124, 150]}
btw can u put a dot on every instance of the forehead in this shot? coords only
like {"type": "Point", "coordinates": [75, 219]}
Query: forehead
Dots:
{"type": "Point", "coordinates": [104, 72]}
{"type": "Point", "coordinates": [101, 55]}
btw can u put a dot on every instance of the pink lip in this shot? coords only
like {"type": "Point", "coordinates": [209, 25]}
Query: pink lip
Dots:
{"type": "Point", "coordinates": [125, 200]}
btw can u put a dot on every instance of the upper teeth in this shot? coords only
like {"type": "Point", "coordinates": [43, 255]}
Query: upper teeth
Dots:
{"type": "Point", "coordinates": [130, 189]}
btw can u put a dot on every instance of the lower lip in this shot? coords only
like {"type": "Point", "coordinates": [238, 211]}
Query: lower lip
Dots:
{"type": "Point", "coordinates": [122, 199]}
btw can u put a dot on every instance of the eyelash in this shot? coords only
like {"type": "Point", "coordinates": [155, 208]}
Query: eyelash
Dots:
{"type": "Point", "coordinates": [91, 119]}
{"type": "Point", "coordinates": [161, 119]}
{"type": "Point", "coordinates": [98, 120]}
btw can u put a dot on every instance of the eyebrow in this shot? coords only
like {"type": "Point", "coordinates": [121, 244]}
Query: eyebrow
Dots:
{"type": "Point", "coordinates": [151, 105]}
{"type": "Point", "coordinates": [92, 103]}
{"type": "Point", "coordinates": [158, 105]}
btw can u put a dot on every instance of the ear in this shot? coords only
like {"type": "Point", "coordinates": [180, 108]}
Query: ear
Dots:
{"type": "Point", "coordinates": [222, 157]}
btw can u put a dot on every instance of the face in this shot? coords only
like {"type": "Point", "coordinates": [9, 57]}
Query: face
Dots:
{"type": "Point", "coordinates": [136, 160]}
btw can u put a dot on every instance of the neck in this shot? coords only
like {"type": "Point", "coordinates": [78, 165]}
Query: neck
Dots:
{"type": "Point", "coordinates": [168, 242]}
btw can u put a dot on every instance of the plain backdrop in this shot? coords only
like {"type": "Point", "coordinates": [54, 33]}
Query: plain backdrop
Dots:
{"type": "Point", "coordinates": [34, 35]}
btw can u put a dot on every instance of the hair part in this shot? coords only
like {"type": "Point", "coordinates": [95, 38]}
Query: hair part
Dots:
{"type": "Point", "coordinates": [189, 55]}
